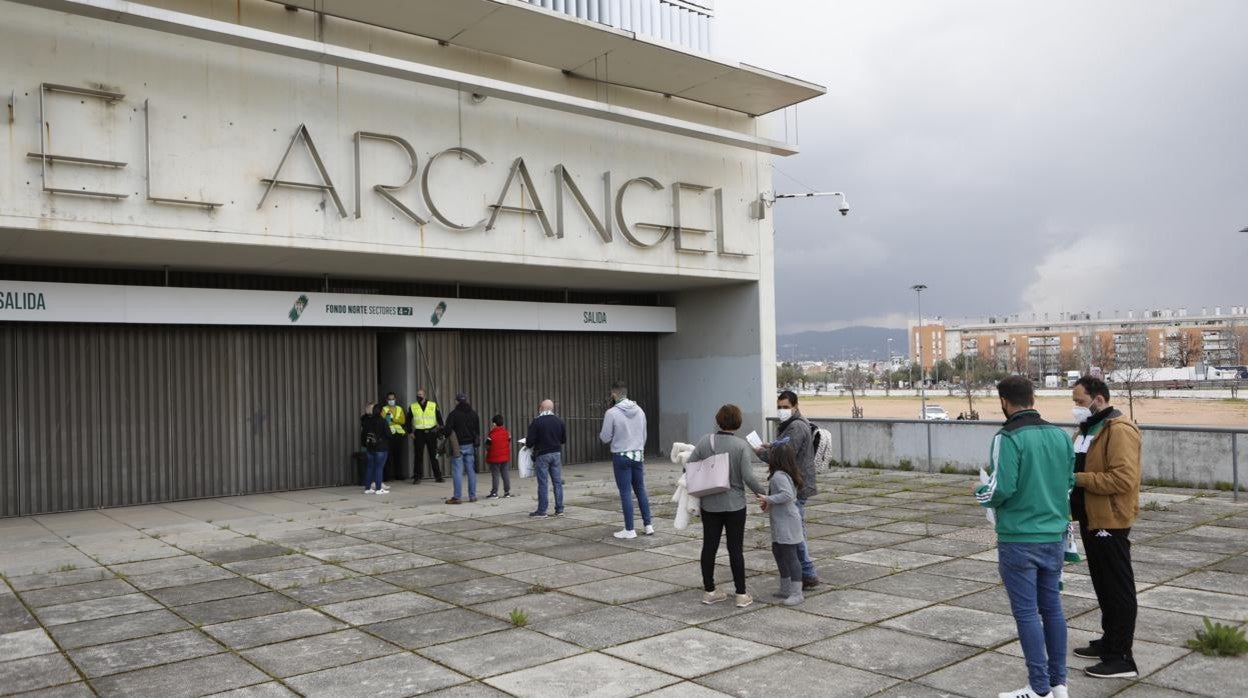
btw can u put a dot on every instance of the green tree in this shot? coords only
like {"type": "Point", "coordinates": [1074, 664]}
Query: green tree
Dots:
{"type": "Point", "coordinates": [788, 375]}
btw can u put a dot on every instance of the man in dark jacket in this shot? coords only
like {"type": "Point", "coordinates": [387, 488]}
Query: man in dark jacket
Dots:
{"type": "Point", "coordinates": [796, 431]}
{"type": "Point", "coordinates": [466, 426]}
{"type": "Point", "coordinates": [545, 438]}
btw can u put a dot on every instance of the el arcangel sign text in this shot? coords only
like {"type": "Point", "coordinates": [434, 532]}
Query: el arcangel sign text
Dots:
{"type": "Point", "coordinates": [605, 219]}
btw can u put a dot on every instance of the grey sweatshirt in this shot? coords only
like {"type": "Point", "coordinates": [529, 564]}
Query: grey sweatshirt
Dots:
{"type": "Point", "coordinates": [798, 432]}
{"type": "Point", "coordinates": [786, 521]}
{"type": "Point", "coordinates": [624, 427]}
{"type": "Point", "coordinates": [740, 474]}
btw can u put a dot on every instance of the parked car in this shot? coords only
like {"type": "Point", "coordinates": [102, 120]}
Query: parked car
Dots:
{"type": "Point", "coordinates": [935, 413]}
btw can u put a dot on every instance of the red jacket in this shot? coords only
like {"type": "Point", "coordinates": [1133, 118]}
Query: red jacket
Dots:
{"type": "Point", "coordinates": [500, 446]}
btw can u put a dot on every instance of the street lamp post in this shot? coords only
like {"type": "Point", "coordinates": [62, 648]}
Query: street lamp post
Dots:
{"type": "Point", "coordinates": [918, 298]}
{"type": "Point", "coordinates": [888, 369]}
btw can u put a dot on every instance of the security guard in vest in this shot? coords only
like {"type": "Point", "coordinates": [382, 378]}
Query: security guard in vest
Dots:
{"type": "Point", "coordinates": [393, 413]}
{"type": "Point", "coordinates": [426, 425]}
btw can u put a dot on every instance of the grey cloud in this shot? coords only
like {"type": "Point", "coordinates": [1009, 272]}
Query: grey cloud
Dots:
{"type": "Point", "coordinates": [1011, 155]}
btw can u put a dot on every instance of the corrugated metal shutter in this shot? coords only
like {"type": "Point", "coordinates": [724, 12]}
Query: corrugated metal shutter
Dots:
{"type": "Point", "coordinates": [109, 416]}
{"type": "Point", "coordinates": [509, 373]}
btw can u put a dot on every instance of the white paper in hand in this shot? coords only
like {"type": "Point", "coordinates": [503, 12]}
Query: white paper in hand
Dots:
{"type": "Point", "coordinates": [983, 480]}
{"type": "Point", "coordinates": [753, 439]}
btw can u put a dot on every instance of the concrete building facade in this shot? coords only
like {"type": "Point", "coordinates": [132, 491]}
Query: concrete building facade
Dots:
{"type": "Point", "coordinates": [224, 226]}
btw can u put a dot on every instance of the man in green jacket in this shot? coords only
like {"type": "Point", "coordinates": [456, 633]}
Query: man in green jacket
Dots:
{"type": "Point", "coordinates": [1032, 475]}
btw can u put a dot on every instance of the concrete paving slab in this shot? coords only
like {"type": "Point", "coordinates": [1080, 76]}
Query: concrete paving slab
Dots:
{"type": "Point", "coordinates": [687, 607]}
{"type": "Point", "coordinates": [237, 608]}
{"type": "Point", "coordinates": [265, 565]}
{"type": "Point", "coordinates": [348, 589]}
{"type": "Point", "coordinates": [1144, 690]}
{"type": "Point", "coordinates": [889, 652]}
{"type": "Point", "coordinates": [859, 605]}
{"type": "Point", "coordinates": [241, 552]}
{"type": "Point", "coordinates": [351, 552]}
{"type": "Point", "coordinates": [1236, 564]}
{"type": "Point", "coordinates": [303, 576]}
{"type": "Point", "coordinates": [102, 660]}
{"type": "Point", "coordinates": [116, 629]}
{"type": "Point", "coordinates": [96, 608]}
{"type": "Point", "coordinates": [1232, 607]}
{"type": "Point", "coordinates": [206, 591]}
{"type": "Point", "coordinates": [381, 608]}
{"type": "Point", "coordinates": [984, 674]}
{"type": "Point", "coordinates": [582, 675]}
{"type": "Point", "coordinates": [469, 551]}
{"type": "Point", "coordinates": [278, 627]}
{"type": "Point", "coordinates": [944, 546]}
{"type": "Point", "coordinates": [691, 652]}
{"type": "Point", "coordinates": [780, 627]}
{"type": "Point", "coordinates": [962, 625]}
{"type": "Point", "coordinates": [512, 562]}
{"type": "Point", "coordinates": [67, 690]}
{"type": "Point", "coordinates": [32, 673]}
{"type": "Point", "coordinates": [181, 577]}
{"type": "Point", "coordinates": [561, 575]}
{"type": "Point", "coordinates": [605, 627]}
{"type": "Point", "coordinates": [1151, 624]}
{"type": "Point", "coordinates": [1149, 656]}
{"type": "Point", "coordinates": [14, 616]}
{"type": "Point", "coordinates": [31, 582]}
{"type": "Point", "coordinates": [923, 586]}
{"type": "Point", "coordinates": [25, 643]}
{"type": "Point", "coordinates": [396, 675]}
{"type": "Point", "coordinates": [474, 591]}
{"type": "Point", "coordinates": [689, 574]}
{"type": "Point", "coordinates": [583, 552]}
{"type": "Point", "coordinates": [309, 654]}
{"type": "Point", "coordinates": [499, 653]}
{"type": "Point", "coordinates": [1209, 580]}
{"type": "Point", "coordinates": [685, 689]}
{"type": "Point", "coordinates": [621, 590]}
{"type": "Point", "coordinates": [195, 677]}
{"type": "Point", "coordinates": [895, 560]}
{"type": "Point", "coordinates": [164, 564]}
{"type": "Point", "coordinates": [390, 563]}
{"type": "Point", "coordinates": [436, 628]}
{"type": "Point", "coordinates": [435, 575]}
{"type": "Point", "coordinates": [789, 673]}
{"type": "Point", "coordinates": [976, 570]}
{"type": "Point", "coordinates": [540, 606]}
{"type": "Point", "coordinates": [271, 689]}
{"type": "Point", "coordinates": [633, 562]}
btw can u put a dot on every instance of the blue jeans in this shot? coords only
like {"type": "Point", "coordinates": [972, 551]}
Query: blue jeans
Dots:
{"type": "Point", "coordinates": [464, 462]}
{"type": "Point", "coordinates": [630, 475]}
{"type": "Point", "coordinates": [803, 555]}
{"type": "Point", "coordinates": [1031, 572]}
{"type": "Point", "coordinates": [549, 466]}
{"type": "Point", "coordinates": [374, 469]}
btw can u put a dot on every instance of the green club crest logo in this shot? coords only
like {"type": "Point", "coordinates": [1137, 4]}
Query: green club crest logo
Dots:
{"type": "Point", "coordinates": [438, 312]}
{"type": "Point", "coordinates": [297, 309]}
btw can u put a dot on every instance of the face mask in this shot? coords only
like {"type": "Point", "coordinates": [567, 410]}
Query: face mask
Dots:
{"type": "Point", "coordinates": [1081, 414]}
{"type": "Point", "coordinates": [390, 403]}
{"type": "Point", "coordinates": [784, 414]}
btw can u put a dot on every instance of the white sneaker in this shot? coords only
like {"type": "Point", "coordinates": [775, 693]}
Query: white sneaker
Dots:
{"type": "Point", "coordinates": [370, 491]}
{"type": "Point", "coordinates": [649, 530]}
{"type": "Point", "coordinates": [1060, 692]}
{"type": "Point", "coordinates": [1024, 692]}
{"type": "Point", "coordinates": [383, 491]}
{"type": "Point", "coordinates": [711, 597]}
{"type": "Point", "coordinates": [625, 535]}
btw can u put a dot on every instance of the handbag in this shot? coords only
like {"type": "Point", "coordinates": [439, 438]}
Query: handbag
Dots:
{"type": "Point", "coordinates": [525, 461]}
{"type": "Point", "coordinates": [708, 476]}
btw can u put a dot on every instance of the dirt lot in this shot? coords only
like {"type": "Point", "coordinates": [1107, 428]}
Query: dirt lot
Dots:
{"type": "Point", "coordinates": [1221, 413]}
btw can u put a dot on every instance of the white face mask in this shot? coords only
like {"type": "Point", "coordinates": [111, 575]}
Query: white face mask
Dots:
{"type": "Point", "coordinates": [784, 414]}
{"type": "Point", "coordinates": [1081, 414]}
{"type": "Point", "coordinates": [390, 403]}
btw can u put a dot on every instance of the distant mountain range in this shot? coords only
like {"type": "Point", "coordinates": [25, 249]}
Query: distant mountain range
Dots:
{"type": "Point", "coordinates": [868, 343]}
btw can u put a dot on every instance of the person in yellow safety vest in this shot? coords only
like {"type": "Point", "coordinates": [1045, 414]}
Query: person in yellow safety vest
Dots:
{"type": "Point", "coordinates": [396, 420]}
{"type": "Point", "coordinates": [425, 426]}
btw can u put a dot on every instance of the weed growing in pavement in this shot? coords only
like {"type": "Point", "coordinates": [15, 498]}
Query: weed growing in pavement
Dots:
{"type": "Point", "coordinates": [1218, 640]}
{"type": "Point", "coordinates": [540, 589]}
{"type": "Point", "coordinates": [1154, 505]}
{"type": "Point", "coordinates": [518, 618]}
{"type": "Point", "coordinates": [67, 567]}
{"type": "Point", "coordinates": [905, 465]}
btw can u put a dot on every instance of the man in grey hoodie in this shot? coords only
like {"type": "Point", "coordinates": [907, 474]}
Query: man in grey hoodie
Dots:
{"type": "Point", "coordinates": [624, 429]}
{"type": "Point", "coordinates": [796, 431]}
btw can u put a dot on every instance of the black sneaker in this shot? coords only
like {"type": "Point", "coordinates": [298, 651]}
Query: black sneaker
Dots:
{"type": "Point", "coordinates": [508, 495]}
{"type": "Point", "coordinates": [1092, 651]}
{"type": "Point", "coordinates": [1113, 668]}
{"type": "Point", "coordinates": [491, 496]}
{"type": "Point", "coordinates": [559, 513]}
{"type": "Point", "coordinates": [538, 515]}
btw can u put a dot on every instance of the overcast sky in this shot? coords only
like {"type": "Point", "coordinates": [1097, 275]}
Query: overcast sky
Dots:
{"type": "Point", "coordinates": [1015, 156]}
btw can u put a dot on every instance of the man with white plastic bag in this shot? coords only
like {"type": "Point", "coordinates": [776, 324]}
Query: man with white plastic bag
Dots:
{"type": "Point", "coordinates": [544, 440]}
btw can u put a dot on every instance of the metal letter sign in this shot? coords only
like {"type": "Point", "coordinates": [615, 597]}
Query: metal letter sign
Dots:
{"type": "Point", "coordinates": [563, 179]}
{"type": "Point", "coordinates": [326, 184]}
{"type": "Point", "coordinates": [386, 191]}
{"type": "Point", "coordinates": [147, 150]}
{"type": "Point", "coordinates": [526, 185]}
{"type": "Point", "coordinates": [619, 213]}
{"type": "Point", "coordinates": [46, 158]}
{"type": "Point", "coordinates": [424, 187]}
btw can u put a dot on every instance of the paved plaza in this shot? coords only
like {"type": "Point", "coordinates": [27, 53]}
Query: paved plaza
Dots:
{"type": "Point", "coordinates": [332, 592]}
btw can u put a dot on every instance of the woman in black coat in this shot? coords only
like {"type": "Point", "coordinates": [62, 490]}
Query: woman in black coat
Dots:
{"type": "Point", "coordinates": [375, 438]}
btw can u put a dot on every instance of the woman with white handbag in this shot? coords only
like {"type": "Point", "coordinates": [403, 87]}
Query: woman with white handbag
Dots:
{"type": "Point", "coordinates": [719, 471]}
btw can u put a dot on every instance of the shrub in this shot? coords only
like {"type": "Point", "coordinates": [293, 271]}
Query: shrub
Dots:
{"type": "Point", "coordinates": [905, 464]}
{"type": "Point", "coordinates": [518, 618]}
{"type": "Point", "coordinates": [1218, 640]}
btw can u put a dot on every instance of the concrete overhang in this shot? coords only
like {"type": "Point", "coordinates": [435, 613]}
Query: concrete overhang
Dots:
{"type": "Point", "coordinates": [588, 49]}
{"type": "Point", "coordinates": [197, 27]}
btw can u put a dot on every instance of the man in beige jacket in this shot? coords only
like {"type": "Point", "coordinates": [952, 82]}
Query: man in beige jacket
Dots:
{"type": "Point", "coordinates": [1105, 501]}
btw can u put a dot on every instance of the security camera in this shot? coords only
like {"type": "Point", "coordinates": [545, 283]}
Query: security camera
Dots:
{"type": "Point", "coordinates": [844, 207]}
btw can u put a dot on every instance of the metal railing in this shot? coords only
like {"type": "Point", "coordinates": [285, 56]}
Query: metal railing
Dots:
{"type": "Point", "coordinates": [1192, 455]}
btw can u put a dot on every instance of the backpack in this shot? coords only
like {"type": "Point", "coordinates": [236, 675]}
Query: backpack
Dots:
{"type": "Point", "coordinates": [821, 446]}
{"type": "Point", "coordinates": [369, 439]}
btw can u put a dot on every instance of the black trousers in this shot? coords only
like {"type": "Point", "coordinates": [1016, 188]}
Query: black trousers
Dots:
{"type": "Point", "coordinates": [425, 440]}
{"type": "Point", "coordinates": [1109, 564]}
{"type": "Point", "coordinates": [394, 462]}
{"type": "Point", "coordinates": [714, 523]}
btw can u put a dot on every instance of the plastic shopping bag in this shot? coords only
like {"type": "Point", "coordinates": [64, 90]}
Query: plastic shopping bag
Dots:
{"type": "Point", "coordinates": [1072, 543]}
{"type": "Point", "coordinates": [526, 462]}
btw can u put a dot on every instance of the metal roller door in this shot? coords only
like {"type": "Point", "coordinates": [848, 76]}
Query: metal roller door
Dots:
{"type": "Point", "coordinates": [109, 416]}
{"type": "Point", "coordinates": [510, 372]}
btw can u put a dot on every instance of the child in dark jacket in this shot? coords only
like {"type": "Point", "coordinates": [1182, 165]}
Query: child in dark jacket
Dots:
{"type": "Point", "coordinates": [498, 456]}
